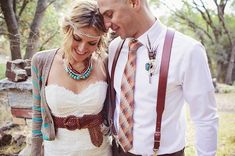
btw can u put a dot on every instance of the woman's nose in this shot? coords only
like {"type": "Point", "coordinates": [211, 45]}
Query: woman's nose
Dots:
{"type": "Point", "coordinates": [82, 48]}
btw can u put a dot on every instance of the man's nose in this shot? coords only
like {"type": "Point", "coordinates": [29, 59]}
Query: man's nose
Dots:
{"type": "Point", "coordinates": [107, 24]}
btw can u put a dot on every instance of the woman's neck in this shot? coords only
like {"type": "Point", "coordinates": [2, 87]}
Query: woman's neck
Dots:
{"type": "Point", "coordinates": [78, 66]}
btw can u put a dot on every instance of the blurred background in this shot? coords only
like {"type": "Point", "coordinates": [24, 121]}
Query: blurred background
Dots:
{"type": "Point", "coordinates": [29, 26]}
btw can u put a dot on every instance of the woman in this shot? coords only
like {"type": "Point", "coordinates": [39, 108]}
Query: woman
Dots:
{"type": "Point", "coordinates": [69, 89]}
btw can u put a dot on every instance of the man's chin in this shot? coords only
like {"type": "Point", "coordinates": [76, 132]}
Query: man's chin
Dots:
{"type": "Point", "coordinates": [122, 36]}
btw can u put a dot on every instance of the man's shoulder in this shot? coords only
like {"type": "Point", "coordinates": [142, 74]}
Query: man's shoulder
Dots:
{"type": "Point", "coordinates": [184, 39]}
{"type": "Point", "coordinates": [186, 45]}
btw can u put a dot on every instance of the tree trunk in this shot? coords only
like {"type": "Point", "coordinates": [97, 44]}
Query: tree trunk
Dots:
{"type": "Point", "coordinates": [228, 79]}
{"type": "Point", "coordinates": [32, 43]}
{"type": "Point", "coordinates": [12, 27]}
{"type": "Point", "coordinates": [220, 72]}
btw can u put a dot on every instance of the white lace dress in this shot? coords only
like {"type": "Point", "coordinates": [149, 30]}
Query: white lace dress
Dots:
{"type": "Point", "coordinates": [64, 102]}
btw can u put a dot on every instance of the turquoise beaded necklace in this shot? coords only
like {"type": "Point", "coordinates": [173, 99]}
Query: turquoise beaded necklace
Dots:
{"type": "Point", "coordinates": [76, 75]}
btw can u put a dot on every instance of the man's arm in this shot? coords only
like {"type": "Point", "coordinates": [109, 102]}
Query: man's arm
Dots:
{"type": "Point", "coordinates": [198, 91]}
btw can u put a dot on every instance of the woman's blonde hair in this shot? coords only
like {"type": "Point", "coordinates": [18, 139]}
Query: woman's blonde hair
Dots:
{"type": "Point", "coordinates": [85, 13]}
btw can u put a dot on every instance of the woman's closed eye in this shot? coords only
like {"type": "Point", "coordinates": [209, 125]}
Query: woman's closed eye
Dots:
{"type": "Point", "coordinates": [76, 38]}
{"type": "Point", "coordinates": [108, 14]}
{"type": "Point", "coordinates": [92, 43]}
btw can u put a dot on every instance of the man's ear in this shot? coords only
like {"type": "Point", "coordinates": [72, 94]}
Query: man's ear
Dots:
{"type": "Point", "coordinates": [135, 3]}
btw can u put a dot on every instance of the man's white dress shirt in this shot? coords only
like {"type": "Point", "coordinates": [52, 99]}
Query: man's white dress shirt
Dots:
{"type": "Point", "coordinates": [189, 80]}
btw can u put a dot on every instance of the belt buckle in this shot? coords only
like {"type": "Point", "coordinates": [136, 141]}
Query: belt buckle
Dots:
{"type": "Point", "coordinates": [71, 123]}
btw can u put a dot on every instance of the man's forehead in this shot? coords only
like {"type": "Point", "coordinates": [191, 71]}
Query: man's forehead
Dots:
{"type": "Point", "coordinates": [105, 5]}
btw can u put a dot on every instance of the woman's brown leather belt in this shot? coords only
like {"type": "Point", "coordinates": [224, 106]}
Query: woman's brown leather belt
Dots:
{"type": "Point", "coordinates": [92, 122]}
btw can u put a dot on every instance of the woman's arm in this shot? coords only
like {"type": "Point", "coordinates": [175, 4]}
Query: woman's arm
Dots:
{"type": "Point", "coordinates": [36, 109]}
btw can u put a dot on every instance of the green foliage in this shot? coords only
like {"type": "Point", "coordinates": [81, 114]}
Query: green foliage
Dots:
{"type": "Point", "coordinates": [189, 20]}
{"type": "Point", "coordinates": [50, 36]}
{"type": "Point", "coordinates": [25, 21]}
{"type": "Point", "coordinates": [2, 71]}
{"type": "Point", "coordinates": [223, 88]}
{"type": "Point", "coordinates": [154, 2]}
{"type": "Point", "coordinates": [50, 28]}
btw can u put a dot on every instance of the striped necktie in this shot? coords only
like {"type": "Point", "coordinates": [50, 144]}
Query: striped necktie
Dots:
{"type": "Point", "coordinates": [125, 134]}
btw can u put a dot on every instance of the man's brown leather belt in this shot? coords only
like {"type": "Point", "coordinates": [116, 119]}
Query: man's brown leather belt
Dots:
{"type": "Point", "coordinates": [92, 122]}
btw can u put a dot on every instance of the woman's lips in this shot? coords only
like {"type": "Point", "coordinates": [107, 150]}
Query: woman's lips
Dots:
{"type": "Point", "coordinates": [79, 53]}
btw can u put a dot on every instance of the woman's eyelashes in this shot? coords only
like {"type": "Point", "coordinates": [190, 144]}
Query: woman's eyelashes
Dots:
{"type": "Point", "coordinates": [78, 39]}
{"type": "Point", "coordinates": [108, 15]}
{"type": "Point", "coordinates": [92, 43]}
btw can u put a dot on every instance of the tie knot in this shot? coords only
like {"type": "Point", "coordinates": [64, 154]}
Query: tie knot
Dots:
{"type": "Point", "coordinates": [134, 45]}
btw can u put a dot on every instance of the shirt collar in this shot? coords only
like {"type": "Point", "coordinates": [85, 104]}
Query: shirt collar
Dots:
{"type": "Point", "coordinates": [154, 33]}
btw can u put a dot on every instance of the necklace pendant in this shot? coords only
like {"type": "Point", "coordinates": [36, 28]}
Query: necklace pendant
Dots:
{"type": "Point", "coordinates": [151, 68]}
{"type": "Point", "coordinates": [150, 76]}
{"type": "Point", "coordinates": [147, 66]}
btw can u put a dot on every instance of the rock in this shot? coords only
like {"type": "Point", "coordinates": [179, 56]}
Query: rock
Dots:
{"type": "Point", "coordinates": [19, 63]}
{"type": "Point", "coordinates": [27, 150]}
{"type": "Point", "coordinates": [5, 139]}
{"type": "Point", "coordinates": [19, 140]}
{"type": "Point", "coordinates": [8, 126]}
{"type": "Point", "coordinates": [18, 70]}
{"type": "Point", "coordinates": [28, 71]}
{"type": "Point", "coordinates": [16, 75]}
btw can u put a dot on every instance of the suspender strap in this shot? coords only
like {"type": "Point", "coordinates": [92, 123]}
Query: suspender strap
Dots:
{"type": "Point", "coordinates": [162, 85]}
{"type": "Point", "coordinates": [112, 91]}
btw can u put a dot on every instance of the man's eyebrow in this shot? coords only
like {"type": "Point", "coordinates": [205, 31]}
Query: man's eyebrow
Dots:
{"type": "Point", "coordinates": [100, 11]}
{"type": "Point", "coordinates": [104, 13]}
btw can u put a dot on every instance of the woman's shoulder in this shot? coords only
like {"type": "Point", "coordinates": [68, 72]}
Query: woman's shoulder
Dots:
{"type": "Point", "coordinates": [100, 63]}
{"type": "Point", "coordinates": [41, 56]}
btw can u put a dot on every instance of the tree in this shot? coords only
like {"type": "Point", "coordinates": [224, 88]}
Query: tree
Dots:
{"type": "Point", "coordinates": [9, 12]}
{"type": "Point", "coordinates": [214, 29]}
{"type": "Point", "coordinates": [12, 11]}
{"type": "Point", "coordinates": [33, 39]}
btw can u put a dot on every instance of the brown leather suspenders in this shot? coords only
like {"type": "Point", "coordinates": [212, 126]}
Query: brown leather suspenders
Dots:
{"type": "Point", "coordinates": [161, 86]}
{"type": "Point", "coordinates": [111, 88]}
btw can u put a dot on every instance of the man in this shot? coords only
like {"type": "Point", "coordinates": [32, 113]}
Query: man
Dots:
{"type": "Point", "coordinates": [189, 80]}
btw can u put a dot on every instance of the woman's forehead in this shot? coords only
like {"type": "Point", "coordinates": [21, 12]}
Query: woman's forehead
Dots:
{"type": "Point", "coordinates": [88, 32]}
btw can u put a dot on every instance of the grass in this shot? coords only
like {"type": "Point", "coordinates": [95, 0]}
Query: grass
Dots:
{"type": "Point", "coordinates": [226, 132]}
{"type": "Point", "coordinates": [226, 136]}
{"type": "Point", "coordinates": [2, 71]}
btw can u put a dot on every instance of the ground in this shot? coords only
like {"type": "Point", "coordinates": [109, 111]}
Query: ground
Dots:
{"type": "Point", "coordinates": [226, 110]}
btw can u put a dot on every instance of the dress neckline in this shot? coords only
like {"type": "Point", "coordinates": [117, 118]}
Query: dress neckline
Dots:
{"type": "Point", "coordinates": [82, 91]}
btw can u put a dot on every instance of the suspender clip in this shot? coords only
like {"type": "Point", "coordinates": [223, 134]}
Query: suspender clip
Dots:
{"type": "Point", "coordinates": [155, 152]}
